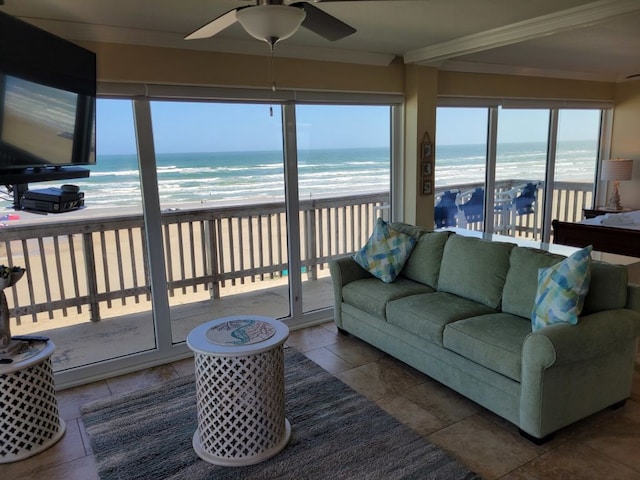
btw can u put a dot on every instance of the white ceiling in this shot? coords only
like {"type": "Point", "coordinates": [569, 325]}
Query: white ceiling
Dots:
{"type": "Point", "coordinates": [559, 38]}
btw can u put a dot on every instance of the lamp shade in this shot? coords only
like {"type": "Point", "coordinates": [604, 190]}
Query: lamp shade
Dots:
{"type": "Point", "coordinates": [271, 23]}
{"type": "Point", "coordinates": [616, 170]}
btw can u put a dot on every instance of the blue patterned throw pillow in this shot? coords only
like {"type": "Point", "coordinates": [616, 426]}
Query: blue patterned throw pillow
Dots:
{"type": "Point", "coordinates": [386, 252]}
{"type": "Point", "coordinates": [562, 289]}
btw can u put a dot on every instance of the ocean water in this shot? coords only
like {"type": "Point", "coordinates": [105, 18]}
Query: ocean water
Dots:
{"type": "Point", "coordinates": [234, 176]}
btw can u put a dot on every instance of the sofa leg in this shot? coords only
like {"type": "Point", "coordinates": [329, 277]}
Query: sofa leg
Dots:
{"type": "Point", "coordinates": [342, 331]}
{"type": "Point", "coordinates": [618, 405]}
{"type": "Point", "coordinates": [536, 440]}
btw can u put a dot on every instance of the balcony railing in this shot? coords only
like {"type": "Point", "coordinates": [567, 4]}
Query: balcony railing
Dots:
{"type": "Point", "coordinates": [569, 199]}
{"type": "Point", "coordinates": [82, 267]}
{"type": "Point", "coordinates": [86, 265]}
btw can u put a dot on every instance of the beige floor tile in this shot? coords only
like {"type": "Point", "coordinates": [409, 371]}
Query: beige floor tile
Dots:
{"type": "Point", "coordinates": [442, 402]}
{"type": "Point", "coordinates": [184, 367]}
{"type": "Point", "coordinates": [312, 338]}
{"type": "Point", "coordinates": [70, 400]}
{"type": "Point", "coordinates": [485, 447]}
{"type": "Point", "coordinates": [331, 326]}
{"type": "Point", "coordinates": [379, 379]}
{"type": "Point", "coordinates": [618, 437]}
{"type": "Point", "coordinates": [577, 460]}
{"type": "Point", "coordinates": [328, 360]}
{"type": "Point", "coordinates": [67, 449]}
{"type": "Point", "coordinates": [138, 380]}
{"type": "Point", "coordinates": [411, 414]}
{"type": "Point", "coordinates": [81, 469]}
{"type": "Point", "coordinates": [355, 351]}
{"type": "Point", "coordinates": [519, 474]}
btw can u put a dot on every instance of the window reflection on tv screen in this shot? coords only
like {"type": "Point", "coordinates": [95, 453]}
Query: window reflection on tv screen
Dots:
{"type": "Point", "coordinates": [39, 120]}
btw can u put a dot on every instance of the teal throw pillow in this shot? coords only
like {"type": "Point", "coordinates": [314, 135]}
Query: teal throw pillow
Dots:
{"type": "Point", "coordinates": [562, 289]}
{"type": "Point", "coordinates": [386, 252]}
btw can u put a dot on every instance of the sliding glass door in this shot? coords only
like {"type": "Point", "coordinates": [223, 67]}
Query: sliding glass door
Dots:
{"type": "Point", "coordinates": [460, 170]}
{"type": "Point", "coordinates": [520, 173]}
{"type": "Point", "coordinates": [344, 174]}
{"type": "Point", "coordinates": [538, 163]}
{"type": "Point", "coordinates": [220, 170]}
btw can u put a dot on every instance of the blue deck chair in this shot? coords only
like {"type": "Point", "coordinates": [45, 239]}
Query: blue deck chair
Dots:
{"type": "Point", "coordinates": [473, 209]}
{"type": "Point", "coordinates": [525, 200]}
{"type": "Point", "coordinates": [446, 209]}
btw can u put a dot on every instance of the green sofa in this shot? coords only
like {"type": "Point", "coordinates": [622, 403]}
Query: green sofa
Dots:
{"type": "Point", "coordinates": [460, 311]}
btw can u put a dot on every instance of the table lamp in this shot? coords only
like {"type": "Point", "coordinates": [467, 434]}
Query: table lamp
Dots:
{"type": "Point", "coordinates": [616, 170]}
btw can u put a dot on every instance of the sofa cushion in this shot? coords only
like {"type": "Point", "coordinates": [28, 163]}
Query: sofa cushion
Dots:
{"type": "Point", "coordinates": [426, 315]}
{"type": "Point", "coordinates": [385, 252]}
{"type": "Point", "coordinates": [423, 265]}
{"type": "Point", "coordinates": [372, 295]}
{"type": "Point", "coordinates": [521, 285]}
{"type": "Point", "coordinates": [608, 288]}
{"type": "Point", "coordinates": [474, 268]}
{"type": "Point", "coordinates": [415, 231]}
{"type": "Point", "coordinates": [493, 341]}
{"type": "Point", "coordinates": [562, 289]}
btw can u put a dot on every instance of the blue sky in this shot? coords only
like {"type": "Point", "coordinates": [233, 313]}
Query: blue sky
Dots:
{"type": "Point", "coordinates": [459, 126]}
{"type": "Point", "coordinates": [207, 127]}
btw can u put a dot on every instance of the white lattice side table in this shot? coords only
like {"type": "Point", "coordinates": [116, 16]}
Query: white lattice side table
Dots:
{"type": "Point", "coordinates": [239, 366]}
{"type": "Point", "coordinates": [29, 417]}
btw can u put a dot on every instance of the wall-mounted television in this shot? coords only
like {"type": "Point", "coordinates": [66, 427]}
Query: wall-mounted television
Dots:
{"type": "Point", "coordinates": [47, 101]}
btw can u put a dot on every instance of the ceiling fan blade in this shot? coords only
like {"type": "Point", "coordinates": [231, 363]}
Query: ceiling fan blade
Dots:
{"type": "Point", "coordinates": [322, 23]}
{"type": "Point", "coordinates": [215, 26]}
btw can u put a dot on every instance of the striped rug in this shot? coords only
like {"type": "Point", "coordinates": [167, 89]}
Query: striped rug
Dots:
{"type": "Point", "coordinates": [336, 434]}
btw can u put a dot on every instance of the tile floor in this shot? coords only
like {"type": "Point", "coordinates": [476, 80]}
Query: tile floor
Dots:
{"type": "Point", "coordinates": [604, 446]}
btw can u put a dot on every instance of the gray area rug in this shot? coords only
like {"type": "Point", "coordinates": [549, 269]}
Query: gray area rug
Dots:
{"type": "Point", "coordinates": [336, 434]}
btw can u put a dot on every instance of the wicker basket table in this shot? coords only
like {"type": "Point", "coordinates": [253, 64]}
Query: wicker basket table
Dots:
{"type": "Point", "coordinates": [29, 417]}
{"type": "Point", "coordinates": [239, 366]}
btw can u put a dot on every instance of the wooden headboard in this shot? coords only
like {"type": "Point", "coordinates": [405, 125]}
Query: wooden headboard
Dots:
{"type": "Point", "coordinates": [622, 241]}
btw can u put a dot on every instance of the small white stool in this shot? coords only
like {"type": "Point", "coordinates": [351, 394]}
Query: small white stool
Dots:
{"type": "Point", "coordinates": [239, 367]}
{"type": "Point", "coordinates": [29, 418]}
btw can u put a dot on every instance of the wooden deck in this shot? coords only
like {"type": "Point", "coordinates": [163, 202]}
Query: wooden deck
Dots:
{"type": "Point", "coordinates": [79, 343]}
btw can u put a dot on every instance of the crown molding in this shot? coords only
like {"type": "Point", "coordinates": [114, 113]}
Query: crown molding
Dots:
{"type": "Point", "coordinates": [492, 68]}
{"type": "Point", "coordinates": [530, 29]}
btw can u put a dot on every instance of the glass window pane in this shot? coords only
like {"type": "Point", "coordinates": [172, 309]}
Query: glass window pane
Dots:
{"type": "Point", "coordinates": [576, 163]}
{"type": "Point", "coordinates": [344, 164]}
{"type": "Point", "coordinates": [88, 272]}
{"type": "Point", "coordinates": [520, 172]}
{"type": "Point", "coordinates": [461, 157]}
{"type": "Point", "coordinates": [221, 185]}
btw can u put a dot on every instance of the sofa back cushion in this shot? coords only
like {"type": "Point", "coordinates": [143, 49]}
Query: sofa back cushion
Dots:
{"type": "Point", "coordinates": [474, 268]}
{"type": "Point", "coordinates": [414, 231]}
{"type": "Point", "coordinates": [424, 263]}
{"type": "Point", "coordinates": [608, 288]}
{"type": "Point", "coordinates": [521, 285]}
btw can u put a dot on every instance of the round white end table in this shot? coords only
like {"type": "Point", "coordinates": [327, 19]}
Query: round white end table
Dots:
{"type": "Point", "coordinates": [239, 367]}
{"type": "Point", "coordinates": [29, 418]}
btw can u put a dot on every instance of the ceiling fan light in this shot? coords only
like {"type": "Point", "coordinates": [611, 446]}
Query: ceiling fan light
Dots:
{"type": "Point", "coordinates": [271, 23]}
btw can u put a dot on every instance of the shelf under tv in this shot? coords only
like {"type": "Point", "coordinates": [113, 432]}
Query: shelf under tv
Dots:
{"type": "Point", "coordinates": [20, 179]}
{"type": "Point", "coordinates": [42, 174]}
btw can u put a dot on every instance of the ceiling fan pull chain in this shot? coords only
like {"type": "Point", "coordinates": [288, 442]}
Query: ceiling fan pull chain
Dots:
{"type": "Point", "coordinates": [272, 79]}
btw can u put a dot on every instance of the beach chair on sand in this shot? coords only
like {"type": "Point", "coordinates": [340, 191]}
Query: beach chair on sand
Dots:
{"type": "Point", "coordinates": [472, 210]}
{"type": "Point", "coordinates": [446, 209]}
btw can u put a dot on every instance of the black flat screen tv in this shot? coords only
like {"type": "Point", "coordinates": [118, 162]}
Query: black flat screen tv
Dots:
{"type": "Point", "coordinates": [47, 100]}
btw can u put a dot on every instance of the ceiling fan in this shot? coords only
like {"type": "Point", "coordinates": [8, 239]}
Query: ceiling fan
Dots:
{"type": "Point", "coordinates": [275, 20]}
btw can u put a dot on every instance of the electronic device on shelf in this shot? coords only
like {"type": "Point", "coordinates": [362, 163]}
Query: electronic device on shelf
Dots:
{"type": "Point", "coordinates": [53, 200]}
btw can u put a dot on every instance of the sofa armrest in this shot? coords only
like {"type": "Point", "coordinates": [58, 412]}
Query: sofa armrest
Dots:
{"type": "Point", "coordinates": [343, 271]}
{"type": "Point", "coordinates": [633, 297]}
{"type": "Point", "coordinates": [595, 335]}
{"type": "Point", "coordinates": [571, 371]}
